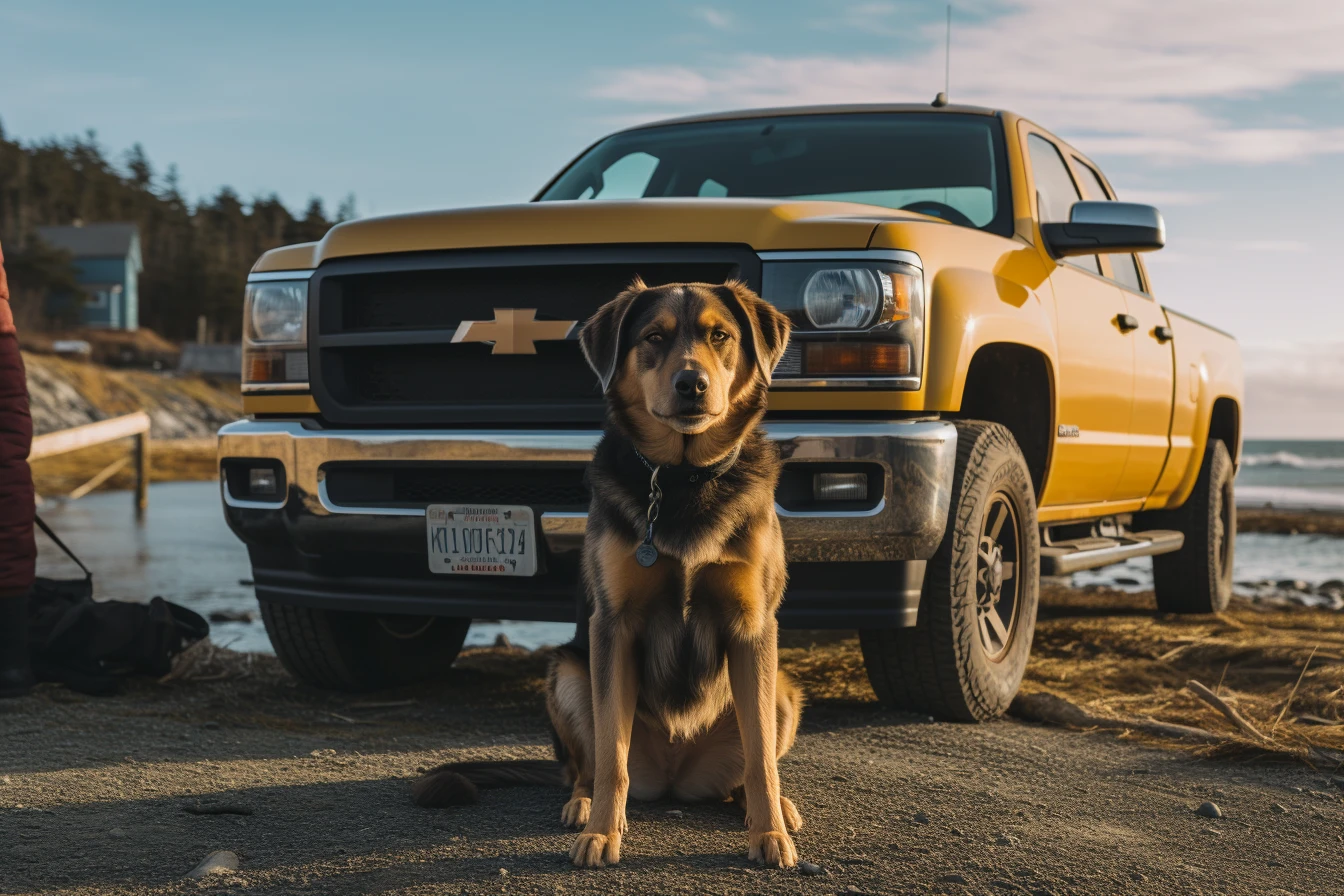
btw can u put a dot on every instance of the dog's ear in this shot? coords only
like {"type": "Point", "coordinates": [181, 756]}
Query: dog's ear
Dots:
{"type": "Point", "coordinates": [765, 329]}
{"type": "Point", "coordinates": [600, 337]}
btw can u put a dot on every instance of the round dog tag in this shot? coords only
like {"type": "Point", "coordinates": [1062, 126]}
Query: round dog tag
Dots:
{"type": "Point", "coordinates": [646, 554]}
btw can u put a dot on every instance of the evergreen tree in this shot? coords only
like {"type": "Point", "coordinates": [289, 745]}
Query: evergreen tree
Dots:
{"type": "Point", "coordinates": [196, 258]}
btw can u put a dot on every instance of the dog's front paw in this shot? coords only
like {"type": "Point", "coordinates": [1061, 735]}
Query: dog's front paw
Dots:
{"type": "Point", "coordinates": [575, 812]}
{"type": "Point", "coordinates": [596, 850]}
{"type": "Point", "coordinates": [793, 821]}
{"type": "Point", "coordinates": [773, 848]}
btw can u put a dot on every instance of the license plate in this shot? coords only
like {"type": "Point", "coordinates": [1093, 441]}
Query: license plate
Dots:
{"type": "Point", "coordinates": [481, 540]}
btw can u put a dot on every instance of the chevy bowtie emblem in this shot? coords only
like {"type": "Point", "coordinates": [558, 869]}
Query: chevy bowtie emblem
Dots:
{"type": "Point", "coordinates": [514, 331]}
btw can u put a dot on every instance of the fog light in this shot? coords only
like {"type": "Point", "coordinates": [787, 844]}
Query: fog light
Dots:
{"type": "Point", "coordinates": [261, 481]}
{"type": "Point", "coordinates": [839, 486]}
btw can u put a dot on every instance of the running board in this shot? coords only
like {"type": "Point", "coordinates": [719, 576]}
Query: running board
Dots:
{"type": "Point", "coordinates": [1065, 557]}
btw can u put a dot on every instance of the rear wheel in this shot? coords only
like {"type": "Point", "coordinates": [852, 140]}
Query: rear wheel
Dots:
{"type": "Point", "coordinates": [965, 658]}
{"type": "Point", "coordinates": [1198, 577]}
{"type": "Point", "coordinates": [361, 651]}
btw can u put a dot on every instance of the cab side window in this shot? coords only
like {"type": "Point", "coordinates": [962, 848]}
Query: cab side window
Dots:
{"type": "Point", "coordinates": [1124, 268]}
{"type": "Point", "coordinates": [1055, 191]}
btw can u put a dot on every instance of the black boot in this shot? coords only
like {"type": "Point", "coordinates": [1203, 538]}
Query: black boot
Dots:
{"type": "Point", "coordinates": [16, 675]}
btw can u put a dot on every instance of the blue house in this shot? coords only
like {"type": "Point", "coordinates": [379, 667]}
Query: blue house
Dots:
{"type": "Point", "coordinates": [107, 267]}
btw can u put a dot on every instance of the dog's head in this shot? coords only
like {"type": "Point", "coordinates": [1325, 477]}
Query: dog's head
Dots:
{"type": "Point", "coordinates": [686, 358]}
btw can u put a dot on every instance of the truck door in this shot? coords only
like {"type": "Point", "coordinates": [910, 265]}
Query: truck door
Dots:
{"type": "Point", "coordinates": [1150, 419]}
{"type": "Point", "coordinates": [1095, 356]}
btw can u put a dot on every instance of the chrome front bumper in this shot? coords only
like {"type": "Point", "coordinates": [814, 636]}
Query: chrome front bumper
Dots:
{"type": "Point", "coordinates": [917, 459]}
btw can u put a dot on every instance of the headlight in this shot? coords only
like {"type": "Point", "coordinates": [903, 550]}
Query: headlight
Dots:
{"type": "Point", "coordinates": [853, 319]}
{"type": "Point", "coordinates": [275, 332]}
{"type": "Point", "coordinates": [277, 311]}
{"type": "Point", "coordinates": [843, 298]}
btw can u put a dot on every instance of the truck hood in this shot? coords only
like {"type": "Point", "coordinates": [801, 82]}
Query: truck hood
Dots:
{"type": "Point", "coordinates": [760, 224]}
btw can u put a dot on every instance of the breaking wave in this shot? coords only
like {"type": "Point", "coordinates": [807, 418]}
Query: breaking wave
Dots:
{"type": "Point", "coordinates": [1294, 461]}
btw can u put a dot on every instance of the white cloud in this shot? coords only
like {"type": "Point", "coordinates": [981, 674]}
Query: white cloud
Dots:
{"type": "Point", "coordinates": [714, 18]}
{"type": "Point", "coordinates": [1295, 392]}
{"type": "Point", "coordinates": [1132, 75]}
{"type": "Point", "coordinates": [1166, 198]}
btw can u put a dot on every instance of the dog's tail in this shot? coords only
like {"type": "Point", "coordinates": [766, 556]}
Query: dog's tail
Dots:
{"type": "Point", "coordinates": [456, 783]}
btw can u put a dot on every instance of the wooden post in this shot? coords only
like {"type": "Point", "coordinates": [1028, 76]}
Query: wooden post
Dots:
{"type": "Point", "coordinates": [134, 425]}
{"type": "Point", "coordinates": [141, 473]}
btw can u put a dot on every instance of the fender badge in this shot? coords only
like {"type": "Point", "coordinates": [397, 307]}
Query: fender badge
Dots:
{"type": "Point", "coordinates": [1067, 431]}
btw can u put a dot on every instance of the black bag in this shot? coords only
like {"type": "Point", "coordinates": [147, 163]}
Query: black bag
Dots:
{"type": "Point", "coordinates": [92, 645]}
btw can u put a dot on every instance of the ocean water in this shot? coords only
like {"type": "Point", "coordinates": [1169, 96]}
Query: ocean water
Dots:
{"type": "Point", "coordinates": [1291, 474]}
{"type": "Point", "coordinates": [184, 551]}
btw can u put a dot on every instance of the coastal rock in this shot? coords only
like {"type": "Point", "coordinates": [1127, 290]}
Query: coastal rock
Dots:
{"type": "Point", "coordinates": [807, 869]}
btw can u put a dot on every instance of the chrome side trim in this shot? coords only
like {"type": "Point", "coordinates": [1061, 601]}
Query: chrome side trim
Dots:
{"type": "Point", "coordinates": [901, 255]}
{"type": "Point", "coordinates": [296, 388]}
{"type": "Point", "coordinates": [263, 276]}
{"type": "Point", "coordinates": [832, 514]}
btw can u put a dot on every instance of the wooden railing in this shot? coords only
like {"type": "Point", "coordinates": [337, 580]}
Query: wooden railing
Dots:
{"type": "Point", "coordinates": [129, 426]}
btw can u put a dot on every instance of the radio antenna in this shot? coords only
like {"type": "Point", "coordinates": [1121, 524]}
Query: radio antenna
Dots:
{"type": "Point", "coordinates": [941, 99]}
{"type": "Point", "coordinates": [947, 56]}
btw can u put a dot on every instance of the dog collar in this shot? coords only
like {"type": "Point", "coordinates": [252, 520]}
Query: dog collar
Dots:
{"type": "Point", "coordinates": [646, 554]}
{"type": "Point", "coordinates": [690, 473]}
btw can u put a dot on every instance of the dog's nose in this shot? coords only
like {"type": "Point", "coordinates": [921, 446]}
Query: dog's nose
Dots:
{"type": "Point", "coordinates": [690, 383]}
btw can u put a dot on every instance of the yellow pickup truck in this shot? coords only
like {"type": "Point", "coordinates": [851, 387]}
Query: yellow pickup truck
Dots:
{"type": "Point", "coordinates": [981, 389]}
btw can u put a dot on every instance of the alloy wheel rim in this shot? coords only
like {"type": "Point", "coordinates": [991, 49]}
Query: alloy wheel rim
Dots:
{"type": "Point", "coordinates": [997, 586]}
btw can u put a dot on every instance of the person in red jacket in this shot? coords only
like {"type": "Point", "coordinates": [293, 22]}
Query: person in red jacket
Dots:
{"type": "Point", "coordinates": [18, 553]}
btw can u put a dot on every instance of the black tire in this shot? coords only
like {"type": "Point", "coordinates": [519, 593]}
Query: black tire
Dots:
{"type": "Point", "coordinates": [1198, 577]}
{"type": "Point", "coordinates": [361, 651]}
{"type": "Point", "coordinates": [955, 663]}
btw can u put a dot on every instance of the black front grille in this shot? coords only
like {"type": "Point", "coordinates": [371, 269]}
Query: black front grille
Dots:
{"type": "Point", "coordinates": [558, 487]}
{"type": "Point", "coordinates": [382, 329]}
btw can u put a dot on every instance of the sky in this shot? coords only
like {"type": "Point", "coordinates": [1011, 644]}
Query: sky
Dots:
{"type": "Point", "coordinates": [1226, 114]}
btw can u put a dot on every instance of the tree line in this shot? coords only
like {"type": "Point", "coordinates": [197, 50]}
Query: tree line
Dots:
{"type": "Point", "coordinates": [196, 255]}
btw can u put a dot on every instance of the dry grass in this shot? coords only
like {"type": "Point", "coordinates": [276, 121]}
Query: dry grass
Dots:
{"type": "Point", "coordinates": [178, 460]}
{"type": "Point", "coordinates": [114, 391]}
{"type": "Point", "coordinates": [1105, 652]}
{"type": "Point", "coordinates": [1112, 655]}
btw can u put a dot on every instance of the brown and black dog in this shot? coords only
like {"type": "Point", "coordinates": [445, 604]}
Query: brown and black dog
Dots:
{"type": "Point", "coordinates": [676, 690]}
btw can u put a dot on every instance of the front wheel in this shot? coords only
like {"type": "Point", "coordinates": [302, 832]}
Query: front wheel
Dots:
{"type": "Point", "coordinates": [346, 651]}
{"type": "Point", "coordinates": [965, 658]}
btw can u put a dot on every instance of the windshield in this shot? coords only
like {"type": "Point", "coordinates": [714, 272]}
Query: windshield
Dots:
{"type": "Point", "coordinates": [947, 165]}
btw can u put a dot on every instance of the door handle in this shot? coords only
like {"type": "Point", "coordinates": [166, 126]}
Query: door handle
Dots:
{"type": "Point", "coordinates": [1126, 322]}
{"type": "Point", "coordinates": [1163, 334]}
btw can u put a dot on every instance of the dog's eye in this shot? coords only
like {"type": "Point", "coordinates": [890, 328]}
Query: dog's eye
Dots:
{"type": "Point", "coordinates": [719, 337]}
{"type": "Point", "coordinates": [655, 338]}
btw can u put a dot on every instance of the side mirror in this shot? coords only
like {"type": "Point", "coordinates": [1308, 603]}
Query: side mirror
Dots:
{"type": "Point", "coordinates": [1102, 227]}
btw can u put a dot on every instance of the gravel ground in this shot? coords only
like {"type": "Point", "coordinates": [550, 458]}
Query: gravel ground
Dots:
{"type": "Point", "coordinates": [93, 797]}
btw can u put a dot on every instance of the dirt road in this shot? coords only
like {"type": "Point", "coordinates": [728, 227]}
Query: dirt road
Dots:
{"type": "Point", "coordinates": [93, 795]}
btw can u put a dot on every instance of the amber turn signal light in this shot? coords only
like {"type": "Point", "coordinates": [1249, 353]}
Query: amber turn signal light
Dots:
{"type": "Point", "coordinates": [856, 359]}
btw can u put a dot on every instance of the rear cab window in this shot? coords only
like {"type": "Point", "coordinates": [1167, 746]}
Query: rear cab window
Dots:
{"type": "Point", "coordinates": [1124, 266]}
{"type": "Point", "coordinates": [1056, 192]}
